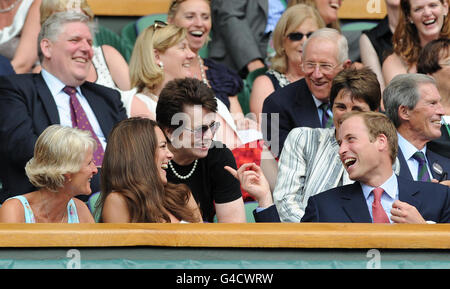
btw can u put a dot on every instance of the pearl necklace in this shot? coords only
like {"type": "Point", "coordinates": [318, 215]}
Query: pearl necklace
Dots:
{"type": "Point", "coordinates": [10, 7]}
{"type": "Point", "coordinates": [202, 70]}
{"type": "Point", "coordinates": [180, 176]}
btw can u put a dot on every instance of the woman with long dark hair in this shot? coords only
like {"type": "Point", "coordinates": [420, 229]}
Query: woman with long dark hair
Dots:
{"type": "Point", "coordinates": [134, 183]}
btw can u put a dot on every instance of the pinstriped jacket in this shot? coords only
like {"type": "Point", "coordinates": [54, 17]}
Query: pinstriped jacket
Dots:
{"type": "Point", "coordinates": [309, 164]}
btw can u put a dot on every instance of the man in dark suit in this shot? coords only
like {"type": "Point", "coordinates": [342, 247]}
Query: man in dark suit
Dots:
{"type": "Point", "coordinates": [367, 148]}
{"type": "Point", "coordinates": [31, 102]}
{"type": "Point", "coordinates": [412, 102]}
{"type": "Point", "coordinates": [305, 102]}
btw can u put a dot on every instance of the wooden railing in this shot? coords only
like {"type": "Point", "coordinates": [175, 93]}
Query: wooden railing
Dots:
{"type": "Point", "coordinates": [251, 235]}
{"type": "Point", "coordinates": [351, 9]}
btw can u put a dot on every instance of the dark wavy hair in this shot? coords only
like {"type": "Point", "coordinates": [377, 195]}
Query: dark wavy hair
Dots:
{"type": "Point", "coordinates": [129, 168]}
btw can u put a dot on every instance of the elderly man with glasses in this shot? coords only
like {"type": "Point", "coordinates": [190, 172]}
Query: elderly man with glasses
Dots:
{"type": "Point", "coordinates": [305, 103]}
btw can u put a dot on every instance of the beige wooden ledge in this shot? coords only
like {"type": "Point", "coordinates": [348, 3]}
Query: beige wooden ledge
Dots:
{"type": "Point", "coordinates": [351, 9]}
{"type": "Point", "coordinates": [251, 235]}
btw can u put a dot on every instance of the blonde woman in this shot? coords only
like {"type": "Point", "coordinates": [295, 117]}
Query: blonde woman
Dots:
{"type": "Point", "coordinates": [61, 168]}
{"type": "Point", "coordinates": [292, 30]}
{"type": "Point", "coordinates": [161, 53]}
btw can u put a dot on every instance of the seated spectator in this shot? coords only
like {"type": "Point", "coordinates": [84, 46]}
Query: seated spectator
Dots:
{"type": "Point", "coordinates": [19, 31]}
{"type": "Point", "coordinates": [195, 16]}
{"type": "Point", "coordinates": [134, 182]}
{"type": "Point", "coordinates": [375, 44]}
{"type": "Point", "coordinates": [161, 53]}
{"type": "Point", "coordinates": [434, 60]}
{"type": "Point", "coordinates": [60, 94]}
{"type": "Point", "coordinates": [412, 102]}
{"type": "Point", "coordinates": [367, 149]}
{"type": "Point", "coordinates": [5, 66]}
{"type": "Point", "coordinates": [241, 32]}
{"type": "Point", "coordinates": [109, 67]}
{"type": "Point", "coordinates": [292, 30]}
{"type": "Point", "coordinates": [62, 167]}
{"type": "Point", "coordinates": [309, 162]}
{"type": "Point", "coordinates": [328, 10]}
{"type": "Point", "coordinates": [186, 112]}
{"type": "Point", "coordinates": [419, 23]}
{"type": "Point", "coordinates": [306, 102]}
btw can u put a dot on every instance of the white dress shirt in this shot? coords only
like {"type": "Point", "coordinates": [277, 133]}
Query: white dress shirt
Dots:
{"type": "Point", "coordinates": [408, 150]}
{"type": "Point", "coordinates": [62, 100]}
{"type": "Point", "coordinates": [390, 194]}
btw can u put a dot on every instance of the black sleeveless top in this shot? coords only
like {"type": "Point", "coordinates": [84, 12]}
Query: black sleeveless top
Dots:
{"type": "Point", "coordinates": [381, 38]}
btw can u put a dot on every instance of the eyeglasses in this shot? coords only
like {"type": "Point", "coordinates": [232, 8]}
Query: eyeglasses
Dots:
{"type": "Point", "coordinates": [199, 132]}
{"type": "Point", "coordinates": [159, 24]}
{"type": "Point", "coordinates": [323, 67]}
{"type": "Point", "coordinates": [297, 36]}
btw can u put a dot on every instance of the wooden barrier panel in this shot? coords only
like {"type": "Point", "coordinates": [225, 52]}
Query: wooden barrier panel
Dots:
{"type": "Point", "coordinates": [362, 9]}
{"type": "Point", "coordinates": [351, 9]}
{"type": "Point", "coordinates": [128, 7]}
{"type": "Point", "coordinates": [250, 235]}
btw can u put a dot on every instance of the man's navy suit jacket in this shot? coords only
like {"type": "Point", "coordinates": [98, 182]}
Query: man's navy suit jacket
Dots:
{"type": "Point", "coordinates": [347, 204]}
{"type": "Point", "coordinates": [27, 108]}
{"type": "Point", "coordinates": [295, 107]}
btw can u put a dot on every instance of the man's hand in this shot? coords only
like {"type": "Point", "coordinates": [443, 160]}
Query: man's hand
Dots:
{"type": "Point", "coordinates": [445, 183]}
{"type": "Point", "coordinates": [405, 213]}
{"type": "Point", "coordinates": [254, 182]}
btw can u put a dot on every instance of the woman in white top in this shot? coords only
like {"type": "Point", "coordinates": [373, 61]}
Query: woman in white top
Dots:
{"type": "Point", "coordinates": [161, 53]}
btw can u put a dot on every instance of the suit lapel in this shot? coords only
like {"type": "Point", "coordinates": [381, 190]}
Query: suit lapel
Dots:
{"type": "Point", "coordinates": [47, 99]}
{"type": "Point", "coordinates": [404, 169]}
{"type": "Point", "coordinates": [355, 205]}
{"type": "Point", "coordinates": [307, 111]}
{"type": "Point", "coordinates": [98, 107]}
{"type": "Point", "coordinates": [265, 6]}
{"type": "Point", "coordinates": [432, 159]}
{"type": "Point", "coordinates": [407, 192]}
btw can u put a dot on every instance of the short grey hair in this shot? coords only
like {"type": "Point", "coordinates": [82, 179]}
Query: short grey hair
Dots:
{"type": "Point", "coordinates": [58, 150]}
{"type": "Point", "coordinates": [334, 36]}
{"type": "Point", "coordinates": [403, 90]}
{"type": "Point", "coordinates": [52, 27]}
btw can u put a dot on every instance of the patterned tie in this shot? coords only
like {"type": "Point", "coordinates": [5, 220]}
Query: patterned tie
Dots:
{"type": "Point", "coordinates": [327, 121]}
{"type": "Point", "coordinates": [80, 120]}
{"type": "Point", "coordinates": [422, 174]}
{"type": "Point", "coordinates": [378, 213]}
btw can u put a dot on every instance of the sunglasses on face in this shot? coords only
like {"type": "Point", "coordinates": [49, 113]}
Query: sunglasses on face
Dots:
{"type": "Point", "coordinates": [159, 24]}
{"type": "Point", "coordinates": [297, 36]}
{"type": "Point", "coordinates": [199, 132]}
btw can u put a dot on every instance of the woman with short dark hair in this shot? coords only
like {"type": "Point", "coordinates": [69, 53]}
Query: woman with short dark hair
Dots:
{"type": "Point", "coordinates": [186, 111]}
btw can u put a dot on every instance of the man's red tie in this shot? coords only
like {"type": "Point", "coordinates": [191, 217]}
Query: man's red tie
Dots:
{"type": "Point", "coordinates": [378, 213]}
{"type": "Point", "coordinates": [80, 120]}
